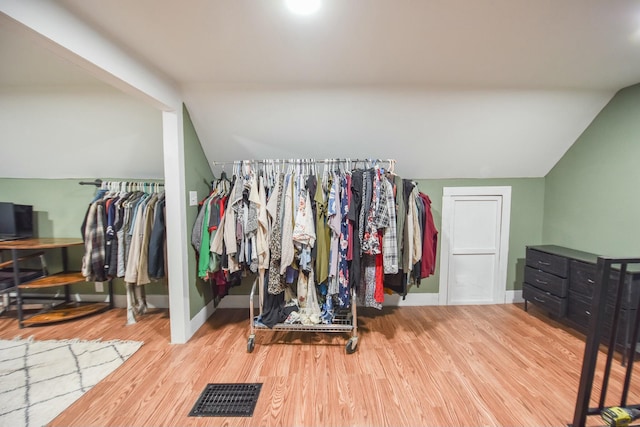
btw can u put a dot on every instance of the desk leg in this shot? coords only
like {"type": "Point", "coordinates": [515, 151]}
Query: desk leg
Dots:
{"type": "Point", "coordinates": [16, 281]}
{"type": "Point", "coordinates": [65, 268]}
{"type": "Point", "coordinates": [19, 307]}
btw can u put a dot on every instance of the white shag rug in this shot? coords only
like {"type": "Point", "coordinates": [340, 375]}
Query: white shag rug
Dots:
{"type": "Point", "coordinates": [40, 379]}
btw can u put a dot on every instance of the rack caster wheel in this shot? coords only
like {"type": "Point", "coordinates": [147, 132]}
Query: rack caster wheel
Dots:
{"type": "Point", "coordinates": [251, 343]}
{"type": "Point", "coordinates": [352, 345]}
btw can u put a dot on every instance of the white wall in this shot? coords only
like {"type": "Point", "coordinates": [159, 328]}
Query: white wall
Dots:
{"type": "Point", "coordinates": [79, 132]}
{"type": "Point", "coordinates": [62, 33]}
{"type": "Point", "coordinates": [433, 133]}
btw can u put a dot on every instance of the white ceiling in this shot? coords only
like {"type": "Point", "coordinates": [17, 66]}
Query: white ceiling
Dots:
{"type": "Point", "coordinates": [455, 88]}
{"type": "Point", "coordinates": [542, 44]}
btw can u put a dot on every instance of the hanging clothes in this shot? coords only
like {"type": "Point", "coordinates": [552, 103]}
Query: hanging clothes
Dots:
{"type": "Point", "coordinates": [157, 247]}
{"type": "Point", "coordinates": [390, 240]}
{"type": "Point", "coordinates": [124, 236]}
{"type": "Point", "coordinates": [344, 297]}
{"type": "Point", "coordinates": [276, 280]}
{"type": "Point", "coordinates": [312, 237]}
{"type": "Point", "coordinates": [429, 240]}
{"type": "Point", "coordinates": [323, 236]}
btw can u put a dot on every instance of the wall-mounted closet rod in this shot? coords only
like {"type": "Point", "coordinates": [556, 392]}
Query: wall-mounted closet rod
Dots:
{"type": "Point", "coordinates": [98, 183]}
{"type": "Point", "coordinates": [299, 161]}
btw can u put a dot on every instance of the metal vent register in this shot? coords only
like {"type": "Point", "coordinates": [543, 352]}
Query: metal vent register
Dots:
{"type": "Point", "coordinates": [227, 400]}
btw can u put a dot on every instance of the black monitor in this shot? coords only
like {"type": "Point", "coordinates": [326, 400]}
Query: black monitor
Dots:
{"type": "Point", "coordinates": [16, 221]}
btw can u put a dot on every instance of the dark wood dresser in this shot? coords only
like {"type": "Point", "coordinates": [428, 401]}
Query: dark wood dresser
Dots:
{"type": "Point", "coordinates": [561, 281]}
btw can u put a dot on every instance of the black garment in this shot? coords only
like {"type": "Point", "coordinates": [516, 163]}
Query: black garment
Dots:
{"type": "Point", "coordinates": [157, 243]}
{"type": "Point", "coordinates": [407, 189]}
{"type": "Point", "coordinates": [355, 272]}
{"type": "Point", "coordinates": [397, 283]}
{"type": "Point", "coordinates": [273, 308]}
{"type": "Point", "coordinates": [111, 242]}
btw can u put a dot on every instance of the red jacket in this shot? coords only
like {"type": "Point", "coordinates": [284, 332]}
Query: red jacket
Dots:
{"type": "Point", "coordinates": [429, 240]}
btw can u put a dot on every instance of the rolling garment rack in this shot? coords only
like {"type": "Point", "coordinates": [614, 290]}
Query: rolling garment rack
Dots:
{"type": "Point", "coordinates": [344, 320]}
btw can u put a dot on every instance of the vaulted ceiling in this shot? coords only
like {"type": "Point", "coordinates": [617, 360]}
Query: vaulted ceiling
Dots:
{"type": "Point", "coordinates": [457, 88]}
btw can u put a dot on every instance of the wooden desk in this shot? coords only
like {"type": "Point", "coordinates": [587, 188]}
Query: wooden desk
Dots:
{"type": "Point", "coordinates": [43, 243]}
{"type": "Point", "coordinates": [65, 311]}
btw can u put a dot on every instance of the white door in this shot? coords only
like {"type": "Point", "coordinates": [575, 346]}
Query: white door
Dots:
{"type": "Point", "coordinates": [475, 243]}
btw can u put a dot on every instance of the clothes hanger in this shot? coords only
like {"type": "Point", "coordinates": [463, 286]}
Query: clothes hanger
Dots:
{"type": "Point", "coordinates": [325, 175]}
{"type": "Point", "coordinates": [223, 184]}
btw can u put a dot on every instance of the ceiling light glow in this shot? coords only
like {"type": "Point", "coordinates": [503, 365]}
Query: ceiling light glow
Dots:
{"type": "Point", "coordinates": [303, 7]}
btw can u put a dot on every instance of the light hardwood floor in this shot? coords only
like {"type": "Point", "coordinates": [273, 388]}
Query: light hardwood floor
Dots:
{"type": "Point", "coordinates": [415, 366]}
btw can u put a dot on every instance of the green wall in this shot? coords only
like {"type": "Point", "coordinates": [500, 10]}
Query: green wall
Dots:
{"type": "Point", "coordinates": [198, 176]}
{"type": "Point", "coordinates": [590, 194]}
{"type": "Point", "coordinates": [527, 198]}
{"type": "Point", "coordinates": [586, 202]}
{"type": "Point", "coordinates": [59, 206]}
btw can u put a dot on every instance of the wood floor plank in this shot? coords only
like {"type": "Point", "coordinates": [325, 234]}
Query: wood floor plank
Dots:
{"type": "Point", "coordinates": [428, 366]}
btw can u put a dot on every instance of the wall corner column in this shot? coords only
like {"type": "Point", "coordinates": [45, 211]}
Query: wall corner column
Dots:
{"type": "Point", "coordinates": [178, 274]}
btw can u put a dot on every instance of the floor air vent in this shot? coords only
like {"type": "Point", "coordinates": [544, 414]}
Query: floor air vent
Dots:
{"type": "Point", "coordinates": [227, 400]}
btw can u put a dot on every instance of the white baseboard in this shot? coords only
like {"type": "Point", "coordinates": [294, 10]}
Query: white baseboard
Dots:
{"type": "Point", "coordinates": [417, 299]}
{"type": "Point", "coordinates": [511, 297]}
{"type": "Point", "coordinates": [120, 301]}
{"type": "Point", "coordinates": [202, 316]}
{"type": "Point", "coordinates": [242, 301]}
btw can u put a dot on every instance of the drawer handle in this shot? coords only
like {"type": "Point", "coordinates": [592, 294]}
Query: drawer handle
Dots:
{"type": "Point", "coordinates": [587, 312]}
{"type": "Point", "coordinates": [542, 282]}
{"type": "Point", "coordinates": [538, 299]}
{"type": "Point", "coordinates": [591, 281]}
{"type": "Point", "coordinates": [543, 263]}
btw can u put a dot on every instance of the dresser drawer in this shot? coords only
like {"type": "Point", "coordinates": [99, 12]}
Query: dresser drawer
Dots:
{"type": "Point", "coordinates": [546, 282]}
{"type": "Point", "coordinates": [547, 262]}
{"type": "Point", "coordinates": [583, 278]}
{"type": "Point", "coordinates": [583, 282]}
{"type": "Point", "coordinates": [579, 310]}
{"type": "Point", "coordinates": [631, 290]}
{"type": "Point", "coordinates": [553, 304]}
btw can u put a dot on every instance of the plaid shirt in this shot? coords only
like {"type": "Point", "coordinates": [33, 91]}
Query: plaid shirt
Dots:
{"type": "Point", "coordinates": [389, 237]}
{"type": "Point", "coordinates": [94, 241]}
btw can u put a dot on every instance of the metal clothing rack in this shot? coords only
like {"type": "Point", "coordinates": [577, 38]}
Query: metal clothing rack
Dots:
{"type": "Point", "coordinates": [594, 335]}
{"type": "Point", "coordinates": [98, 183]}
{"type": "Point", "coordinates": [343, 322]}
{"type": "Point", "coordinates": [305, 161]}
{"type": "Point", "coordinates": [335, 163]}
